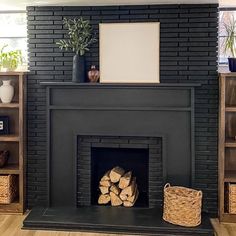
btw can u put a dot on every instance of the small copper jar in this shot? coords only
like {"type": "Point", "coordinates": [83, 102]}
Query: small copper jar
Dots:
{"type": "Point", "coordinates": [93, 74]}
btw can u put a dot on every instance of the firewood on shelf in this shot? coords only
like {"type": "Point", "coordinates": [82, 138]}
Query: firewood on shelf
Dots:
{"type": "Point", "coordinates": [104, 199]}
{"type": "Point", "coordinates": [106, 176]}
{"type": "Point", "coordinates": [125, 180]}
{"type": "Point", "coordinates": [130, 189]}
{"type": "Point", "coordinates": [105, 183]}
{"type": "Point", "coordinates": [115, 200]}
{"type": "Point", "coordinates": [116, 173]}
{"type": "Point", "coordinates": [114, 189]}
{"type": "Point", "coordinates": [104, 189]}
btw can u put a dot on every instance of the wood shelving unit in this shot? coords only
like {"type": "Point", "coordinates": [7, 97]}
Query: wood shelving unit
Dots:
{"type": "Point", "coordinates": [15, 140]}
{"type": "Point", "coordinates": [227, 142]}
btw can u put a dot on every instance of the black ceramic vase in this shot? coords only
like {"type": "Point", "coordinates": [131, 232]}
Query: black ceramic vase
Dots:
{"type": "Point", "coordinates": [78, 73]}
{"type": "Point", "coordinates": [232, 64]}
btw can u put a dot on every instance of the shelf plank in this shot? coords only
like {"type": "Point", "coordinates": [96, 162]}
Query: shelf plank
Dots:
{"type": "Point", "coordinates": [10, 169]}
{"type": "Point", "coordinates": [230, 142]}
{"type": "Point", "coordinates": [230, 109]}
{"type": "Point", "coordinates": [16, 73]}
{"type": "Point", "coordinates": [230, 176]}
{"type": "Point", "coordinates": [12, 208]}
{"type": "Point", "coordinates": [9, 138]}
{"type": "Point", "coordinates": [228, 74]}
{"type": "Point", "coordinates": [9, 105]}
{"type": "Point", "coordinates": [227, 217]}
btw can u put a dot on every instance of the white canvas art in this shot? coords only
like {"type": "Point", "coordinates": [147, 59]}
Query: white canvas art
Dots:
{"type": "Point", "coordinates": [129, 52]}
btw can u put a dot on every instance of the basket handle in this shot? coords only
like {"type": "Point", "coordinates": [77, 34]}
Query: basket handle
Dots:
{"type": "Point", "coordinates": [167, 185]}
{"type": "Point", "coordinates": [199, 194]}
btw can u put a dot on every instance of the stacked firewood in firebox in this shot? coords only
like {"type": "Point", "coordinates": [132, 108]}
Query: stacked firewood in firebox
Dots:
{"type": "Point", "coordinates": [118, 187]}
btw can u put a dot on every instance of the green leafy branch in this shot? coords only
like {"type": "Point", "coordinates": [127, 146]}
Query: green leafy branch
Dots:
{"type": "Point", "coordinates": [229, 44]}
{"type": "Point", "coordinates": [80, 36]}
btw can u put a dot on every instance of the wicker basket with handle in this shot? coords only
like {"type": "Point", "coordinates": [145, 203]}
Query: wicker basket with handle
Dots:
{"type": "Point", "coordinates": [182, 206]}
{"type": "Point", "coordinates": [8, 188]}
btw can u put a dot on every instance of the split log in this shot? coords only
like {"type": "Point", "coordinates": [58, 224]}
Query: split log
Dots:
{"type": "Point", "coordinates": [130, 189]}
{"type": "Point", "coordinates": [133, 200]}
{"type": "Point", "coordinates": [116, 173]}
{"type": "Point", "coordinates": [104, 189]}
{"type": "Point", "coordinates": [114, 189]}
{"type": "Point", "coordinates": [105, 183]}
{"type": "Point", "coordinates": [104, 199]}
{"type": "Point", "coordinates": [106, 176]}
{"type": "Point", "coordinates": [134, 197]}
{"type": "Point", "coordinates": [115, 200]}
{"type": "Point", "coordinates": [125, 180]}
{"type": "Point", "coordinates": [123, 197]}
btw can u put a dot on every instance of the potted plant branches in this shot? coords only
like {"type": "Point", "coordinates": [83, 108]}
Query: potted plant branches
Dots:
{"type": "Point", "coordinates": [229, 42]}
{"type": "Point", "coordinates": [10, 60]}
{"type": "Point", "coordinates": [81, 36]}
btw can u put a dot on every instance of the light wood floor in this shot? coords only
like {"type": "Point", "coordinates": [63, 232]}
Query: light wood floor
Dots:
{"type": "Point", "coordinates": [10, 225]}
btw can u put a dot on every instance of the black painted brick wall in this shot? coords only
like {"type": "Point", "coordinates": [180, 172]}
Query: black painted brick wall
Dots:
{"type": "Point", "coordinates": [154, 146]}
{"type": "Point", "coordinates": [188, 54]}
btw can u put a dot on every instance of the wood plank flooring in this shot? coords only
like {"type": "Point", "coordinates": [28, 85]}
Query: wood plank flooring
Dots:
{"type": "Point", "coordinates": [10, 225]}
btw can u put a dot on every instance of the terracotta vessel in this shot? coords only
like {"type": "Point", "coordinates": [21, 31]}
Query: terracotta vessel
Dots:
{"type": "Point", "coordinates": [93, 74]}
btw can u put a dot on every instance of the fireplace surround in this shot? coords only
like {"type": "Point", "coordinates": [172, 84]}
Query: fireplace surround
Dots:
{"type": "Point", "coordinates": [86, 121]}
{"type": "Point", "coordinates": [164, 111]}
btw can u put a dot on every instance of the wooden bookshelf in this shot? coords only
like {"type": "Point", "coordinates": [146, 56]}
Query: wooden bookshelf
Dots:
{"type": "Point", "coordinates": [14, 142]}
{"type": "Point", "coordinates": [227, 142]}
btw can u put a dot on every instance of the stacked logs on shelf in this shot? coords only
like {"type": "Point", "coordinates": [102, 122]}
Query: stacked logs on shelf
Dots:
{"type": "Point", "coordinates": [118, 187]}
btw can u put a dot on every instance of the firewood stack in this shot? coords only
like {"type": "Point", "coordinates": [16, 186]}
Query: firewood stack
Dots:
{"type": "Point", "coordinates": [118, 187]}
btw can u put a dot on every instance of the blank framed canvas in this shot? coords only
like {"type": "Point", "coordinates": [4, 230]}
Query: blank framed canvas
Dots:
{"type": "Point", "coordinates": [129, 52]}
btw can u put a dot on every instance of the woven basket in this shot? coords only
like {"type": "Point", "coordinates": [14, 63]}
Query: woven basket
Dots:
{"type": "Point", "coordinates": [182, 206]}
{"type": "Point", "coordinates": [232, 198]}
{"type": "Point", "coordinates": [8, 188]}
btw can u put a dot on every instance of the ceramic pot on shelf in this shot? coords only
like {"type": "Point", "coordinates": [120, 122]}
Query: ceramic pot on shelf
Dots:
{"type": "Point", "coordinates": [6, 91]}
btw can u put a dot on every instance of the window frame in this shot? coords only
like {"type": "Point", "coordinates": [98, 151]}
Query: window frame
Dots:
{"type": "Point", "coordinates": [221, 9]}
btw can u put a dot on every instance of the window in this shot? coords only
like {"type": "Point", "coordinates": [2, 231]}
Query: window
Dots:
{"type": "Point", "coordinates": [225, 16]}
{"type": "Point", "coordinates": [13, 32]}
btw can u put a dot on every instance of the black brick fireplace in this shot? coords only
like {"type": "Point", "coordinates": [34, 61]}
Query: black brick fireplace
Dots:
{"type": "Point", "coordinates": [188, 54]}
{"type": "Point", "coordinates": [145, 127]}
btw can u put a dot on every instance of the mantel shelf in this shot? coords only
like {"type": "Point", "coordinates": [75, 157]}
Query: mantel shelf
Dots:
{"type": "Point", "coordinates": [117, 85]}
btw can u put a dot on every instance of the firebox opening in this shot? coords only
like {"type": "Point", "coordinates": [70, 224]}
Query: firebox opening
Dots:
{"type": "Point", "coordinates": [130, 159]}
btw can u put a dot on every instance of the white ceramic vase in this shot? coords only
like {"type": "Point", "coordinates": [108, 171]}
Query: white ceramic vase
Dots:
{"type": "Point", "coordinates": [6, 91]}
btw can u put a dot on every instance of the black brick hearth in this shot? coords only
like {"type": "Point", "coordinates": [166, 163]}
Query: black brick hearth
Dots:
{"type": "Point", "coordinates": [188, 55]}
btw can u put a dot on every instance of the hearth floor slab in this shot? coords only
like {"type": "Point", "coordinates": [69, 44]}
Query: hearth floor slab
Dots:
{"type": "Point", "coordinates": [139, 221]}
